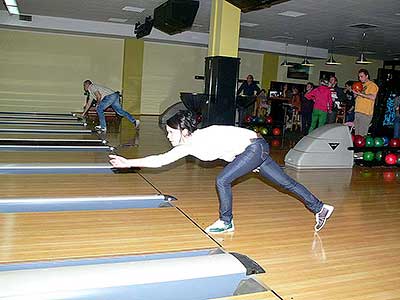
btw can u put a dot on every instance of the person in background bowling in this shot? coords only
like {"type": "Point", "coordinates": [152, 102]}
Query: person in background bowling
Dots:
{"type": "Point", "coordinates": [322, 104]}
{"type": "Point", "coordinates": [244, 151]}
{"type": "Point", "coordinates": [365, 101]}
{"type": "Point", "coordinates": [396, 122]}
{"type": "Point", "coordinates": [105, 97]}
{"type": "Point", "coordinates": [306, 109]}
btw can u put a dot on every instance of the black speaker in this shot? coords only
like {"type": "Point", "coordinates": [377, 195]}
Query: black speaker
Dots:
{"type": "Point", "coordinates": [175, 16]}
{"type": "Point", "coordinates": [220, 82]}
{"type": "Point", "coordinates": [250, 5]}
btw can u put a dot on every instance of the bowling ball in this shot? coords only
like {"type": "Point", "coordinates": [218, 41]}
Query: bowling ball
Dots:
{"type": "Point", "coordinates": [359, 141]}
{"type": "Point", "coordinates": [398, 159]}
{"type": "Point", "coordinates": [368, 156]}
{"type": "Point", "coordinates": [378, 142]}
{"type": "Point", "coordinates": [352, 138]}
{"type": "Point", "coordinates": [357, 86]}
{"type": "Point", "coordinates": [275, 143]}
{"type": "Point", "coordinates": [276, 131]}
{"type": "Point", "coordinates": [260, 120]}
{"type": "Point", "coordinates": [379, 155]}
{"type": "Point", "coordinates": [391, 159]}
{"type": "Point", "coordinates": [394, 143]}
{"type": "Point", "coordinates": [254, 119]}
{"type": "Point", "coordinates": [268, 120]}
{"type": "Point", "coordinates": [385, 141]}
{"type": "Point", "coordinates": [255, 128]}
{"type": "Point", "coordinates": [263, 130]}
{"type": "Point", "coordinates": [248, 118]}
{"type": "Point", "coordinates": [369, 141]}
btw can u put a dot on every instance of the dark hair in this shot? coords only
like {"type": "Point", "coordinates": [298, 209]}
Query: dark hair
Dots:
{"type": "Point", "coordinates": [365, 71]}
{"type": "Point", "coordinates": [87, 81]}
{"type": "Point", "coordinates": [183, 119]}
{"type": "Point", "coordinates": [310, 83]}
{"type": "Point", "coordinates": [333, 76]}
{"type": "Point", "coordinates": [251, 76]}
{"type": "Point", "coordinates": [349, 82]}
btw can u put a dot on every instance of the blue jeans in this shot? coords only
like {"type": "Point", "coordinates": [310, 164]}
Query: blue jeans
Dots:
{"type": "Point", "coordinates": [254, 156]}
{"type": "Point", "coordinates": [113, 101]}
{"type": "Point", "coordinates": [396, 125]}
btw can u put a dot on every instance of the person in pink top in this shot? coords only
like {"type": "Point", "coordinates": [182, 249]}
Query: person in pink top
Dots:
{"type": "Point", "coordinates": [322, 104]}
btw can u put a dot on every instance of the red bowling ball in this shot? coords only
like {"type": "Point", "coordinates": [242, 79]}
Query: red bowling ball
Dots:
{"type": "Point", "coordinates": [357, 86]}
{"type": "Point", "coordinates": [248, 119]}
{"type": "Point", "coordinates": [268, 120]}
{"type": "Point", "coordinates": [391, 159]}
{"type": "Point", "coordinates": [276, 131]}
{"type": "Point", "coordinates": [394, 143]}
{"type": "Point", "coordinates": [359, 141]}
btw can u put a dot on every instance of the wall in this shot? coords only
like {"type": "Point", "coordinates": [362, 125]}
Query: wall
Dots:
{"type": "Point", "coordinates": [170, 69]}
{"type": "Point", "coordinates": [45, 71]}
{"type": "Point", "coordinates": [348, 70]}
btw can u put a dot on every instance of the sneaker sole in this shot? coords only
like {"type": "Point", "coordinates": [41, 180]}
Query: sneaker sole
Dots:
{"type": "Point", "coordinates": [330, 212]}
{"type": "Point", "coordinates": [220, 232]}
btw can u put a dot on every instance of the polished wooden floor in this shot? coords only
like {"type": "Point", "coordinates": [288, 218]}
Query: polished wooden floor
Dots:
{"type": "Point", "coordinates": [354, 257]}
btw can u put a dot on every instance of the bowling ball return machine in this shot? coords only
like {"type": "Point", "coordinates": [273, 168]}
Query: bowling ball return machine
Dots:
{"type": "Point", "coordinates": [326, 147]}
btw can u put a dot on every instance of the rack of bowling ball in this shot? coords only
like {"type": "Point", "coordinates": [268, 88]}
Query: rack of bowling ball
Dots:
{"type": "Point", "coordinates": [265, 127]}
{"type": "Point", "coordinates": [376, 151]}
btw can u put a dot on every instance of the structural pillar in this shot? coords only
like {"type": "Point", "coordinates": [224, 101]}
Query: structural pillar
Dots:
{"type": "Point", "coordinates": [222, 64]}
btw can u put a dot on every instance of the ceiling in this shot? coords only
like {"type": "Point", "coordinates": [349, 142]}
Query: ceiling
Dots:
{"type": "Point", "coordinates": [323, 19]}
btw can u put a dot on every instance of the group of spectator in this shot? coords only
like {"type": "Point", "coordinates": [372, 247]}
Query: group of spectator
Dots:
{"type": "Point", "coordinates": [320, 105]}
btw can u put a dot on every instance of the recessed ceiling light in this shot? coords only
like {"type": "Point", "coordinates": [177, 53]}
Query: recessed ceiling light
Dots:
{"type": "Point", "coordinates": [247, 24]}
{"type": "Point", "coordinates": [11, 3]}
{"type": "Point", "coordinates": [397, 14]}
{"type": "Point", "coordinates": [293, 14]}
{"type": "Point", "coordinates": [13, 10]}
{"type": "Point", "coordinates": [118, 20]}
{"type": "Point", "coordinates": [134, 9]}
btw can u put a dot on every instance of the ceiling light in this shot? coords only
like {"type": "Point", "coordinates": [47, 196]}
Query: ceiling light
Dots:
{"type": "Point", "coordinates": [285, 62]}
{"type": "Point", "coordinates": [118, 20]}
{"type": "Point", "coordinates": [290, 13]}
{"type": "Point", "coordinates": [331, 60]}
{"type": "Point", "coordinates": [362, 60]}
{"type": "Point", "coordinates": [10, 3]}
{"type": "Point", "coordinates": [13, 10]}
{"type": "Point", "coordinates": [306, 62]}
{"type": "Point", "coordinates": [246, 24]}
{"type": "Point", "coordinates": [134, 9]}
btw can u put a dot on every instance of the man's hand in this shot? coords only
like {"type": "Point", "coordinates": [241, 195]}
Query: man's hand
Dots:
{"type": "Point", "coordinates": [119, 162]}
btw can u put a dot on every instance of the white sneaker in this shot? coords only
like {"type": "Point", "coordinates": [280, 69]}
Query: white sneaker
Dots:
{"type": "Point", "coordinates": [322, 216]}
{"type": "Point", "coordinates": [137, 124]}
{"type": "Point", "coordinates": [98, 128]}
{"type": "Point", "coordinates": [220, 226]}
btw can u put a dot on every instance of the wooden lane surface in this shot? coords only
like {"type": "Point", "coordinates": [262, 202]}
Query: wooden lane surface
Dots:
{"type": "Point", "coordinates": [69, 235]}
{"type": "Point", "coordinates": [65, 185]}
{"type": "Point", "coordinates": [354, 257]}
